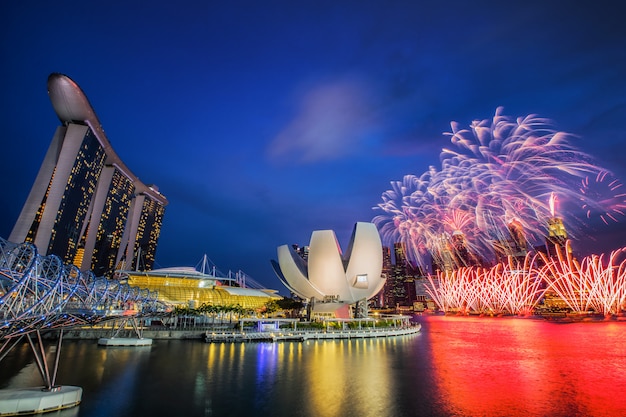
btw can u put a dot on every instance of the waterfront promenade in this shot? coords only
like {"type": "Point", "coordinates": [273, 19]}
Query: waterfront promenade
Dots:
{"type": "Point", "coordinates": [228, 334]}
{"type": "Point", "coordinates": [303, 335]}
{"type": "Point", "coordinates": [247, 329]}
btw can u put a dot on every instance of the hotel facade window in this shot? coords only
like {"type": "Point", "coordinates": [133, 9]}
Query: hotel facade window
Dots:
{"type": "Point", "coordinates": [106, 245]}
{"type": "Point", "coordinates": [86, 206]}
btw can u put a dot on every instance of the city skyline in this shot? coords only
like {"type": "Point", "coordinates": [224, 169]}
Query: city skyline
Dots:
{"type": "Point", "coordinates": [266, 122]}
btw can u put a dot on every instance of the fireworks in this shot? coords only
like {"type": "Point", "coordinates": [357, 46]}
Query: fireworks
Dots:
{"type": "Point", "coordinates": [511, 288]}
{"type": "Point", "coordinates": [591, 284]}
{"type": "Point", "coordinates": [498, 176]}
{"type": "Point", "coordinates": [603, 195]}
{"type": "Point", "coordinates": [507, 288]}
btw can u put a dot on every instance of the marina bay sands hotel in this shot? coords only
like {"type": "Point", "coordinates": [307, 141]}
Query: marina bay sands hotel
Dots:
{"type": "Point", "coordinates": [86, 206]}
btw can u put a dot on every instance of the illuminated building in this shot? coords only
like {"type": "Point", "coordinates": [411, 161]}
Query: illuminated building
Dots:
{"type": "Point", "coordinates": [386, 294]}
{"type": "Point", "coordinates": [557, 234]}
{"type": "Point", "coordinates": [86, 206]}
{"type": "Point", "coordinates": [330, 281]}
{"type": "Point", "coordinates": [402, 280]}
{"type": "Point", "coordinates": [187, 286]}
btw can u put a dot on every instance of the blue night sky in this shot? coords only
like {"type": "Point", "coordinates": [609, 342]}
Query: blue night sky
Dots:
{"type": "Point", "coordinates": [263, 121]}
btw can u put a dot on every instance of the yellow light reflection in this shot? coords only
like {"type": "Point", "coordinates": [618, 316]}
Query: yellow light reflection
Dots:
{"type": "Point", "coordinates": [348, 371]}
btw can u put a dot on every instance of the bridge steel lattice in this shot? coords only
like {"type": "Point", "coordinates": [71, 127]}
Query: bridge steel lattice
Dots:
{"type": "Point", "coordinates": [39, 293]}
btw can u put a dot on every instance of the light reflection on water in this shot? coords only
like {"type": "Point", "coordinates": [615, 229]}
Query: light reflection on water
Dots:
{"type": "Point", "coordinates": [526, 367]}
{"type": "Point", "coordinates": [455, 367]}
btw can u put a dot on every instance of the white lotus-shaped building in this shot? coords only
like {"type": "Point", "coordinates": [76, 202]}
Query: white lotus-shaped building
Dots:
{"type": "Point", "coordinates": [329, 280]}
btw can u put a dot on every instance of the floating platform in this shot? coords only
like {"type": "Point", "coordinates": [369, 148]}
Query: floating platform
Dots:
{"type": "Point", "coordinates": [124, 341]}
{"type": "Point", "coordinates": [301, 336]}
{"type": "Point", "coordinates": [25, 401]}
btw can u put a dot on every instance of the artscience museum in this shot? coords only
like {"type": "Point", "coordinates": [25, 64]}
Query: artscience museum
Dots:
{"type": "Point", "coordinates": [332, 282]}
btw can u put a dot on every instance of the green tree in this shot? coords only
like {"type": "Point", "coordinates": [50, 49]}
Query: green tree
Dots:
{"type": "Point", "coordinates": [290, 305]}
{"type": "Point", "coordinates": [270, 307]}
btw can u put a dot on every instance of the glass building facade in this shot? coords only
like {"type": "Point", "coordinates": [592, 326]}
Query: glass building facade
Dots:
{"type": "Point", "coordinates": [112, 223]}
{"type": "Point", "coordinates": [86, 206]}
{"type": "Point", "coordinates": [73, 210]}
{"type": "Point", "coordinates": [193, 291]}
{"type": "Point", "coordinates": [148, 233]}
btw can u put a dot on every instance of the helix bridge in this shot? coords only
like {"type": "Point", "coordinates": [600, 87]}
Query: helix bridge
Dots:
{"type": "Point", "coordinates": [40, 293]}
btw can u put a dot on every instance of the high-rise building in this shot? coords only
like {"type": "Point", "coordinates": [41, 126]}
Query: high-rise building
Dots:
{"type": "Point", "coordinates": [400, 272]}
{"type": "Point", "coordinates": [86, 206]}
{"type": "Point", "coordinates": [402, 278]}
{"type": "Point", "coordinates": [557, 234]}
{"type": "Point", "coordinates": [386, 296]}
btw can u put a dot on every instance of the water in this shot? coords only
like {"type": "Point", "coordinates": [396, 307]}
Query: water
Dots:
{"type": "Point", "coordinates": [455, 367]}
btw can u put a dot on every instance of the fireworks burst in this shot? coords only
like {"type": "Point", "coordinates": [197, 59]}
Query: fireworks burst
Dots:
{"type": "Point", "coordinates": [497, 173]}
{"type": "Point", "coordinates": [604, 196]}
{"type": "Point", "coordinates": [591, 285]}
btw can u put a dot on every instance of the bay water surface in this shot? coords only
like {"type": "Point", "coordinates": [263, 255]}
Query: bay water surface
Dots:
{"type": "Point", "coordinates": [456, 366]}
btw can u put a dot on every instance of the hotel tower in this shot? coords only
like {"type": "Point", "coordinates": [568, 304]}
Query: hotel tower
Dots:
{"type": "Point", "coordinates": [86, 206]}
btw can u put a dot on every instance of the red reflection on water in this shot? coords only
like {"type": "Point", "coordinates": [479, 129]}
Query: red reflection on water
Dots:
{"type": "Point", "coordinates": [527, 367]}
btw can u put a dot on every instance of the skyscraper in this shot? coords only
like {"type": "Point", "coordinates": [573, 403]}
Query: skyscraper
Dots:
{"type": "Point", "coordinates": [86, 206]}
{"type": "Point", "coordinates": [557, 234]}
